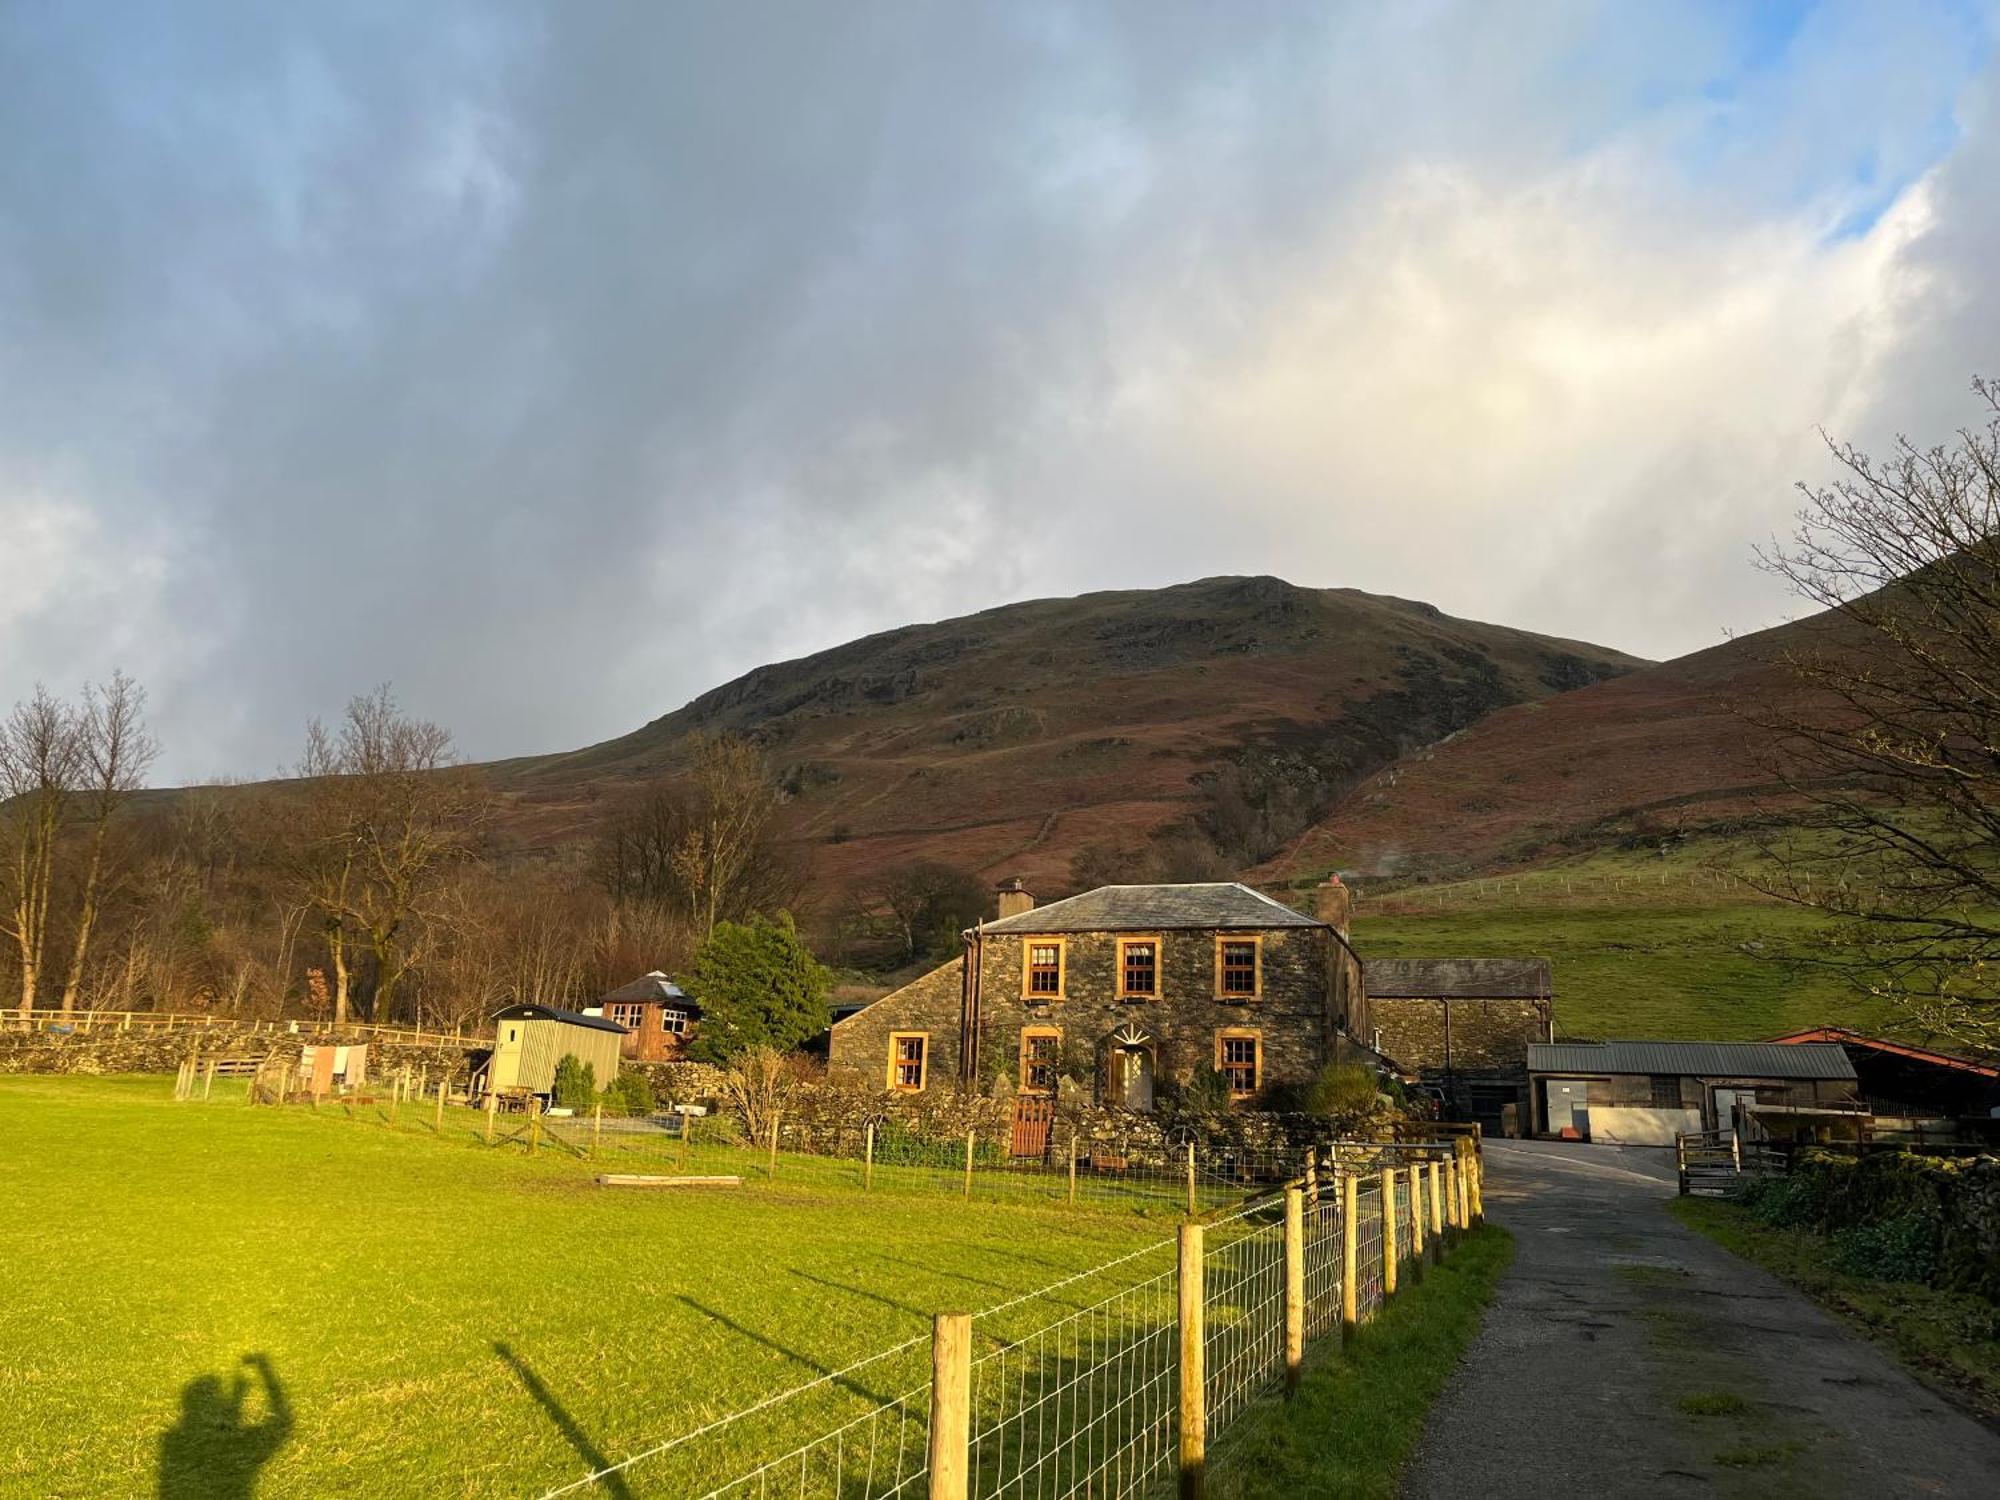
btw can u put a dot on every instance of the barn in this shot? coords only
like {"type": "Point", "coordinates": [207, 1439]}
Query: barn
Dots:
{"type": "Point", "coordinates": [529, 1040]}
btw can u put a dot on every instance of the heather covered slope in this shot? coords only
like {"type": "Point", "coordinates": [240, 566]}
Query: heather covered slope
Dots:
{"type": "Point", "coordinates": [1667, 749]}
{"type": "Point", "coordinates": [1008, 740]}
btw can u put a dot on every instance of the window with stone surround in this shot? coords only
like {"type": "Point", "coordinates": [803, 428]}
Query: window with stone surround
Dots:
{"type": "Point", "coordinates": [1239, 970]}
{"type": "Point", "coordinates": [1042, 972]}
{"type": "Point", "coordinates": [1239, 1058]}
{"type": "Point", "coordinates": [909, 1056]}
{"type": "Point", "coordinates": [1040, 1048]}
{"type": "Point", "coordinates": [1139, 968]}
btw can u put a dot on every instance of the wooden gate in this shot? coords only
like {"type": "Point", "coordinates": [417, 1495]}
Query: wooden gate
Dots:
{"type": "Point", "coordinates": [1033, 1114]}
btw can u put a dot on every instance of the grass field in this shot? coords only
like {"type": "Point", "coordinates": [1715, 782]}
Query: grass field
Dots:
{"type": "Point", "coordinates": [441, 1317]}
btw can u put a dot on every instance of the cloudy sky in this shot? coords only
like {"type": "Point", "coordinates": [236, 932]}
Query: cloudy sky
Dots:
{"type": "Point", "coordinates": [558, 362]}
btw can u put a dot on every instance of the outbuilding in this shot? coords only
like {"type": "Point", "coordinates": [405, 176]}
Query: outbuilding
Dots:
{"type": "Point", "coordinates": [1914, 1090]}
{"type": "Point", "coordinates": [1645, 1093]}
{"type": "Point", "coordinates": [529, 1040]}
{"type": "Point", "coordinates": [657, 1014]}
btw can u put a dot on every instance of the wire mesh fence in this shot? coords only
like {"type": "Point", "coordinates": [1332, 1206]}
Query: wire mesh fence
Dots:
{"type": "Point", "coordinates": [1085, 1387]}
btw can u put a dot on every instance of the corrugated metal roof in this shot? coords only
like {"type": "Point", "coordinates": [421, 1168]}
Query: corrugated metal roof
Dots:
{"type": "Point", "coordinates": [1693, 1059]}
{"type": "Point", "coordinates": [551, 1013]}
{"type": "Point", "coordinates": [1151, 908]}
{"type": "Point", "coordinates": [1458, 978]}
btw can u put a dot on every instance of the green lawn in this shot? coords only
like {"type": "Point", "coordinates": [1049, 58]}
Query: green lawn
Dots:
{"type": "Point", "coordinates": [1714, 972]}
{"type": "Point", "coordinates": [442, 1317]}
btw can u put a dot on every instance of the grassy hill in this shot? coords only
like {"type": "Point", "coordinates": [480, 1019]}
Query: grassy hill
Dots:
{"type": "Point", "coordinates": [1007, 741]}
{"type": "Point", "coordinates": [1644, 945]}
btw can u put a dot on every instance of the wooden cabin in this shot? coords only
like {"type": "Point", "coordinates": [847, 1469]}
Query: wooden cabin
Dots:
{"type": "Point", "coordinates": [529, 1040]}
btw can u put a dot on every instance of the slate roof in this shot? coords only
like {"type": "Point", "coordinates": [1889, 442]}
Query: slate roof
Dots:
{"type": "Point", "coordinates": [1458, 978]}
{"type": "Point", "coordinates": [551, 1013]}
{"type": "Point", "coordinates": [1801, 1060]}
{"type": "Point", "coordinates": [1155, 908]}
{"type": "Point", "coordinates": [654, 988]}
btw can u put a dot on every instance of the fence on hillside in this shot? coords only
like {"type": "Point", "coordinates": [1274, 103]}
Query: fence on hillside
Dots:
{"type": "Point", "coordinates": [1107, 1384]}
{"type": "Point", "coordinates": [1670, 885]}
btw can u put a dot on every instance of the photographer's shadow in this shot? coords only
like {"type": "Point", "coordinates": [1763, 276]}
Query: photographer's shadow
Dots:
{"type": "Point", "coordinates": [213, 1453]}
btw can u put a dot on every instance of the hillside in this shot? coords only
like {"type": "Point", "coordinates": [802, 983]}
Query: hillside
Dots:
{"type": "Point", "coordinates": [1654, 752]}
{"type": "Point", "coordinates": [1008, 741]}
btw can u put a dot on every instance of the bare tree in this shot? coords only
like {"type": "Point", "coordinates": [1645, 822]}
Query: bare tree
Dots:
{"type": "Point", "coordinates": [114, 750]}
{"type": "Point", "coordinates": [1892, 742]}
{"type": "Point", "coordinates": [704, 844]}
{"type": "Point", "coordinates": [388, 812]}
{"type": "Point", "coordinates": [930, 903]}
{"type": "Point", "coordinates": [40, 758]}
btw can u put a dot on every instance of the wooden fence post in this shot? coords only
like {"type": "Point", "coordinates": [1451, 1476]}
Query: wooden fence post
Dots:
{"type": "Point", "coordinates": [776, 1116]}
{"type": "Point", "coordinates": [1295, 1288]}
{"type": "Point", "coordinates": [1312, 1178]}
{"type": "Point", "coordinates": [1417, 1222]}
{"type": "Point", "coordinates": [1477, 1182]}
{"type": "Point", "coordinates": [208, 1081]}
{"type": "Point", "coordinates": [492, 1108]}
{"type": "Point", "coordinates": [437, 1126]}
{"type": "Point", "coordinates": [1193, 1369]}
{"type": "Point", "coordinates": [968, 1164]}
{"type": "Point", "coordinates": [534, 1123]}
{"type": "Point", "coordinates": [687, 1132]}
{"type": "Point", "coordinates": [1437, 1212]}
{"type": "Point", "coordinates": [1072, 1168]}
{"type": "Point", "coordinates": [1193, 1209]}
{"type": "Point", "coordinates": [1390, 1259]}
{"type": "Point", "coordinates": [596, 1127]}
{"type": "Point", "coordinates": [868, 1158]}
{"type": "Point", "coordinates": [1350, 1254]}
{"type": "Point", "coordinates": [951, 1406]}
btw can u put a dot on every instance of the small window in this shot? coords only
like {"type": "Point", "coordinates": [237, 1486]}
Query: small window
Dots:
{"type": "Point", "coordinates": [628, 1015]}
{"type": "Point", "coordinates": [1045, 969]}
{"type": "Point", "coordinates": [1239, 1058]}
{"type": "Point", "coordinates": [512, 1033]}
{"type": "Point", "coordinates": [908, 1055]}
{"type": "Point", "coordinates": [1139, 968]}
{"type": "Point", "coordinates": [674, 1022]}
{"type": "Point", "coordinates": [1666, 1092]}
{"type": "Point", "coordinates": [1236, 976]}
{"type": "Point", "coordinates": [1039, 1050]}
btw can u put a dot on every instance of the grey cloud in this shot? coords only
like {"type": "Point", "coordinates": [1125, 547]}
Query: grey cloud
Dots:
{"type": "Point", "coordinates": [559, 362]}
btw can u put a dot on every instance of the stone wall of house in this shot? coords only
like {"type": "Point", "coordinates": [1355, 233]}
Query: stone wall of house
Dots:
{"type": "Point", "coordinates": [1486, 1036]}
{"type": "Point", "coordinates": [1290, 1016]}
{"type": "Point", "coordinates": [858, 1049]}
{"type": "Point", "coordinates": [1182, 1021]}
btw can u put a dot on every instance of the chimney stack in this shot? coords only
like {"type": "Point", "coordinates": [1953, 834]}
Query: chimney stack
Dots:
{"type": "Point", "coordinates": [1333, 903]}
{"type": "Point", "coordinates": [1014, 897]}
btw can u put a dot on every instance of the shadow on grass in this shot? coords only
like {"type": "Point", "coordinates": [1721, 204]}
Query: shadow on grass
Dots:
{"type": "Point", "coordinates": [575, 1436]}
{"type": "Point", "coordinates": [213, 1452]}
{"type": "Point", "coordinates": [845, 1382]}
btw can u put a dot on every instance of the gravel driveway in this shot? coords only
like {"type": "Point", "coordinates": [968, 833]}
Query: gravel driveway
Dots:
{"type": "Point", "coordinates": [1626, 1355]}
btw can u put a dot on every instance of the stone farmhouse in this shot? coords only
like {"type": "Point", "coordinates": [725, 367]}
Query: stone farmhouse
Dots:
{"type": "Point", "coordinates": [1119, 989]}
